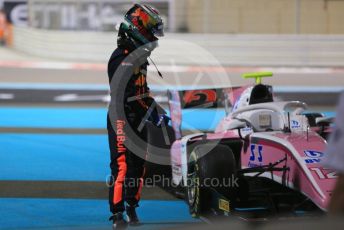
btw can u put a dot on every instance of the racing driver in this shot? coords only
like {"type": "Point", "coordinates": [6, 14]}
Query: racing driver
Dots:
{"type": "Point", "coordinates": [137, 37]}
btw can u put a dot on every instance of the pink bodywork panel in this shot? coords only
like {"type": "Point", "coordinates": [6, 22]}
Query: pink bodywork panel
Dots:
{"type": "Point", "coordinates": [306, 174]}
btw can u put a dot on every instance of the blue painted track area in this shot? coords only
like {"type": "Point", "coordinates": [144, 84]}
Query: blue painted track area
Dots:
{"type": "Point", "coordinates": [53, 117]}
{"type": "Point", "coordinates": [66, 157]}
{"type": "Point", "coordinates": [90, 118]}
{"type": "Point", "coordinates": [93, 118]}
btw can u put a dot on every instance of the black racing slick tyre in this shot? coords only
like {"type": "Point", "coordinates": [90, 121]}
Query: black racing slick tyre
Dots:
{"type": "Point", "coordinates": [209, 168]}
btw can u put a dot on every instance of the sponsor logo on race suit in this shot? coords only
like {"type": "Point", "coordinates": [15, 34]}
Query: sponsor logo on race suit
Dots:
{"type": "Point", "coordinates": [121, 137]}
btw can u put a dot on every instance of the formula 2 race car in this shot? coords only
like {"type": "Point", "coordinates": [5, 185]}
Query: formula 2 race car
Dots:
{"type": "Point", "coordinates": [264, 156]}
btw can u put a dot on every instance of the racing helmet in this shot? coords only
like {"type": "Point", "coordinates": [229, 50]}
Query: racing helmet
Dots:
{"type": "Point", "coordinates": [143, 24]}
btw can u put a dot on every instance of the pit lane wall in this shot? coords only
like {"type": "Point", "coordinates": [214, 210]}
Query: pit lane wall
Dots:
{"type": "Point", "coordinates": [183, 49]}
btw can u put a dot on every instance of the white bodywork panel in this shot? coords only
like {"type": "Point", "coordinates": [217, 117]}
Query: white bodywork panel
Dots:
{"type": "Point", "coordinates": [179, 159]}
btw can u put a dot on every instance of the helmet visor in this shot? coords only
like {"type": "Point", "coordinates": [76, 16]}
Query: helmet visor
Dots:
{"type": "Point", "coordinates": [158, 30]}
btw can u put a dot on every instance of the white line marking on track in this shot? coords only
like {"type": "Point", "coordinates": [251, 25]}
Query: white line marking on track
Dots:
{"type": "Point", "coordinates": [75, 97]}
{"type": "Point", "coordinates": [6, 96]}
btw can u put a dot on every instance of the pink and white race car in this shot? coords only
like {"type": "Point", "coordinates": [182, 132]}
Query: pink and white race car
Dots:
{"type": "Point", "coordinates": [263, 157]}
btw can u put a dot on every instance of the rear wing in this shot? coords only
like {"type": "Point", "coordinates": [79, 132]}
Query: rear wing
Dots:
{"type": "Point", "coordinates": [200, 99]}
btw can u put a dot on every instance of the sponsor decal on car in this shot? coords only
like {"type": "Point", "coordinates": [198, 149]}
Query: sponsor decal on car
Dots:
{"type": "Point", "coordinates": [200, 98]}
{"type": "Point", "coordinates": [246, 131]}
{"type": "Point", "coordinates": [224, 205]}
{"type": "Point", "coordinates": [312, 156]}
{"type": "Point", "coordinates": [256, 157]}
{"type": "Point", "coordinates": [295, 124]}
{"type": "Point", "coordinates": [324, 173]}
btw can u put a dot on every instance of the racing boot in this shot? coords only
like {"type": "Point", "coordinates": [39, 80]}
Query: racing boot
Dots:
{"type": "Point", "coordinates": [118, 221]}
{"type": "Point", "coordinates": [133, 220]}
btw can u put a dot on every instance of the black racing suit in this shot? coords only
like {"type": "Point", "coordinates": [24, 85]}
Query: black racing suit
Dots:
{"type": "Point", "coordinates": [126, 167]}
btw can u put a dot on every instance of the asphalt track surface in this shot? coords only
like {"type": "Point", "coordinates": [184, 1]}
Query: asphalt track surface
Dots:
{"type": "Point", "coordinates": [283, 76]}
{"type": "Point", "coordinates": [54, 156]}
{"type": "Point", "coordinates": [99, 98]}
